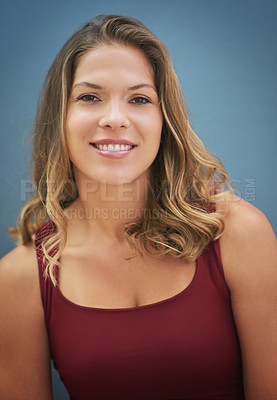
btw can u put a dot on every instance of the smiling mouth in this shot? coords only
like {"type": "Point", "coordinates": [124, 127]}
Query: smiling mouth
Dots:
{"type": "Point", "coordinates": [113, 147]}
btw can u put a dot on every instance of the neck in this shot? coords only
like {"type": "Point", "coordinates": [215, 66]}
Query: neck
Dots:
{"type": "Point", "coordinates": [102, 209]}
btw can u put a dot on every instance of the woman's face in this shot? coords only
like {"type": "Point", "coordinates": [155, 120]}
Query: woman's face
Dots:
{"type": "Point", "coordinates": [114, 121]}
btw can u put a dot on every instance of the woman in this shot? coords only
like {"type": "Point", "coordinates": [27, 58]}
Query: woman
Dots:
{"type": "Point", "coordinates": [156, 282]}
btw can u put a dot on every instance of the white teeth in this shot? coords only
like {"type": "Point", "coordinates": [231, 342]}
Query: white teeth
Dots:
{"type": "Point", "coordinates": [116, 147]}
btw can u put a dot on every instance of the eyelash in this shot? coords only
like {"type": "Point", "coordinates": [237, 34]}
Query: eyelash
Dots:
{"type": "Point", "coordinates": [91, 98]}
{"type": "Point", "coordinates": [144, 100]}
{"type": "Point", "coordinates": [88, 98]}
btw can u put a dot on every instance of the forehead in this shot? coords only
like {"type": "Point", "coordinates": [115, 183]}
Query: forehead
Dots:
{"type": "Point", "coordinates": [114, 60]}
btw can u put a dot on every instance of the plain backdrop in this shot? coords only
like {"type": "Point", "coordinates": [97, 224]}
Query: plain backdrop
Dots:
{"type": "Point", "coordinates": [224, 52]}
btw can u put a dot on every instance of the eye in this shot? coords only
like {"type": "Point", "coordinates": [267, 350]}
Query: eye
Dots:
{"type": "Point", "coordinates": [140, 100]}
{"type": "Point", "coordinates": [88, 98]}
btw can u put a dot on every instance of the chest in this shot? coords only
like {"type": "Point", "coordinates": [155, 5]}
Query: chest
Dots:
{"type": "Point", "coordinates": [178, 348]}
{"type": "Point", "coordinates": [111, 280]}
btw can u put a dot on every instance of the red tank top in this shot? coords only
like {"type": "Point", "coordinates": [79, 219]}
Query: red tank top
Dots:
{"type": "Point", "coordinates": [184, 347]}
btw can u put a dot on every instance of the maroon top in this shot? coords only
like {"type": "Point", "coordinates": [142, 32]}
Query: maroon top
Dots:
{"type": "Point", "coordinates": [184, 347]}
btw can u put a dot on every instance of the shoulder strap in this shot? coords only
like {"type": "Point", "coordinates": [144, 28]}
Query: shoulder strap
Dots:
{"type": "Point", "coordinates": [210, 260]}
{"type": "Point", "coordinates": [46, 286]}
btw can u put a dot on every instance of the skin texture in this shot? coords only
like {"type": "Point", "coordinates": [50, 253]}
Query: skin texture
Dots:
{"type": "Point", "coordinates": [249, 254]}
{"type": "Point", "coordinates": [24, 352]}
{"type": "Point", "coordinates": [248, 244]}
{"type": "Point", "coordinates": [113, 111]}
{"type": "Point", "coordinates": [249, 257]}
{"type": "Point", "coordinates": [113, 96]}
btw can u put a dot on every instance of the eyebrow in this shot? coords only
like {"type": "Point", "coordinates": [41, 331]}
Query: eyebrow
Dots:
{"type": "Point", "coordinates": [94, 86]}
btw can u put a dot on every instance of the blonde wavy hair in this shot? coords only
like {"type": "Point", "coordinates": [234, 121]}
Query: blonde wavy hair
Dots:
{"type": "Point", "coordinates": [186, 178]}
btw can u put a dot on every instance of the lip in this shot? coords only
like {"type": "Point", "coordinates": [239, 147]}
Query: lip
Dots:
{"type": "Point", "coordinates": [113, 141]}
{"type": "Point", "coordinates": [113, 154]}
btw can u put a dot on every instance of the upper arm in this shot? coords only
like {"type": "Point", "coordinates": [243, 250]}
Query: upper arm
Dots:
{"type": "Point", "coordinates": [24, 357]}
{"type": "Point", "coordinates": [249, 257]}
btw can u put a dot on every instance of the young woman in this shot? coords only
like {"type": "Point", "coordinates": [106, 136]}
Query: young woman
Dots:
{"type": "Point", "coordinates": [138, 272]}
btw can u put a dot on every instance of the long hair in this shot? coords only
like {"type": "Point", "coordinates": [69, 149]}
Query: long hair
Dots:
{"type": "Point", "coordinates": [185, 177]}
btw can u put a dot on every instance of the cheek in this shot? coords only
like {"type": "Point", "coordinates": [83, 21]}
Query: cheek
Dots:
{"type": "Point", "coordinates": [151, 124]}
{"type": "Point", "coordinates": [79, 124]}
{"type": "Point", "coordinates": [155, 125]}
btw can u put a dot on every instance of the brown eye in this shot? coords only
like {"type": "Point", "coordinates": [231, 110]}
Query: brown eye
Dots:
{"type": "Point", "coordinates": [88, 98]}
{"type": "Point", "coordinates": [140, 100]}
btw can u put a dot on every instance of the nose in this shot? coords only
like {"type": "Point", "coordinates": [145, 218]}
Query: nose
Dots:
{"type": "Point", "coordinates": [114, 116]}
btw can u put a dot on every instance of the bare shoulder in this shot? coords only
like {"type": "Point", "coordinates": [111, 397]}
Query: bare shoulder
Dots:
{"type": "Point", "coordinates": [18, 270]}
{"type": "Point", "coordinates": [24, 357]}
{"type": "Point", "coordinates": [241, 217]}
{"type": "Point", "coordinates": [21, 259]}
{"type": "Point", "coordinates": [248, 242]}
{"type": "Point", "coordinates": [249, 257]}
{"type": "Point", "coordinates": [19, 287]}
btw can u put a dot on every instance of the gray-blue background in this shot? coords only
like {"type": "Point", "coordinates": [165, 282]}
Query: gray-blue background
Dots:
{"type": "Point", "coordinates": [224, 52]}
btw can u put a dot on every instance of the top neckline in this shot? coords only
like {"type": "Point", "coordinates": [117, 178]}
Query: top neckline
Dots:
{"type": "Point", "coordinates": [128, 309]}
{"type": "Point", "coordinates": [124, 309]}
